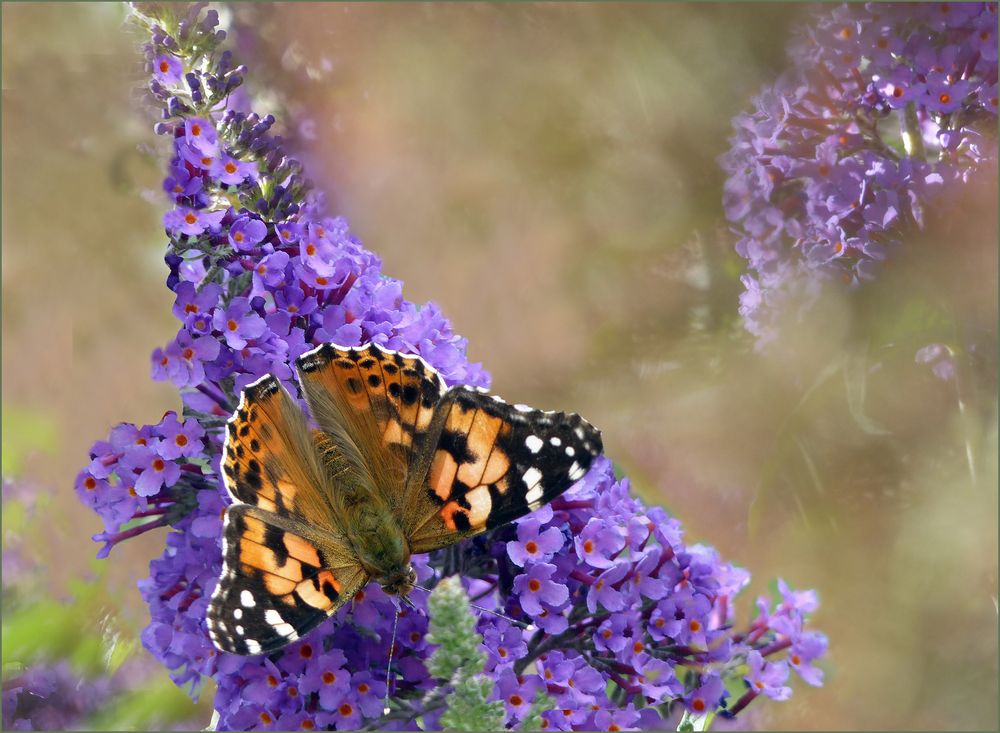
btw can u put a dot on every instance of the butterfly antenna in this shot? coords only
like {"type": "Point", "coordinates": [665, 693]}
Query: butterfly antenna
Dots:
{"type": "Point", "coordinates": [514, 622]}
{"type": "Point", "coordinates": [388, 669]}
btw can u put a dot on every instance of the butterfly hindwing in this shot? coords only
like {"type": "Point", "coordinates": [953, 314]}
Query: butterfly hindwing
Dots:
{"type": "Point", "coordinates": [491, 463]}
{"type": "Point", "coordinates": [280, 578]}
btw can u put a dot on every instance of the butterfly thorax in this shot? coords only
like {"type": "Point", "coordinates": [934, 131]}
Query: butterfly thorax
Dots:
{"type": "Point", "coordinates": [381, 547]}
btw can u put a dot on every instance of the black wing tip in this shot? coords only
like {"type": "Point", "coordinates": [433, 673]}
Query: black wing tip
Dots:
{"type": "Point", "coordinates": [262, 388]}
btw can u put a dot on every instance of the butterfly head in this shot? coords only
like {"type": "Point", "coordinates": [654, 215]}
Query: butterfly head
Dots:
{"type": "Point", "coordinates": [398, 582]}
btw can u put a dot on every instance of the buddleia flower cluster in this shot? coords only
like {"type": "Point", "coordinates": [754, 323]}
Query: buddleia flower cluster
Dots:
{"type": "Point", "coordinates": [883, 107]}
{"type": "Point", "coordinates": [610, 614]}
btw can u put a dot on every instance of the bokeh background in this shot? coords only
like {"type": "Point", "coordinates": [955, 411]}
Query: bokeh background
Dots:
{"type": "Point", "coordinates": [547, 173]}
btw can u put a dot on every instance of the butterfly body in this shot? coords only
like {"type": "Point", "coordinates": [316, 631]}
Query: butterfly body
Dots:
{"type": "Point", "coordinates": [398, 466]}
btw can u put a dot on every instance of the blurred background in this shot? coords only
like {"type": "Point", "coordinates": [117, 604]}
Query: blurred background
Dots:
{"type": "Point", "coordinates": [547, 173]}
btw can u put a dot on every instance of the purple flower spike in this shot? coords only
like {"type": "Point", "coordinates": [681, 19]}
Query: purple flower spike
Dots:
{"type": "Point", "coordinates": [623, 614]}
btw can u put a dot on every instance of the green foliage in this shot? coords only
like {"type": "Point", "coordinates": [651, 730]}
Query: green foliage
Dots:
{"type": "Point", "coordinates": [24, 432]}
{"type": "Point", "coordinates": [460, 661]}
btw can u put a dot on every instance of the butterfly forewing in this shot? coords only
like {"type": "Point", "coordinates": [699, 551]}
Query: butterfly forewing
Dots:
{"type": "Point", "coordinates": [376, 404]}
{"type": "Point", "coordinates": [491, 463]}
{"type": "Point", "coordinates": [281, 577]}
{"type": "Point", "coordinates": [269, 459]}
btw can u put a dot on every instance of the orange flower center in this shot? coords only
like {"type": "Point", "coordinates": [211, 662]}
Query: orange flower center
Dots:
{"type": "Point", "coordinates": [588, 546]}
{"type": "Point", "coordinates": [266, 718]}
{"type": "Point", "coordinates": [310, 249]}
{"type": "Point", "coordinates": [363, 688]}
{"type": "Point", "coordinates": [190, 218]}
{"type": "Point", "coordinates": [945, 98]}
{"type": "Point", "coordinates": [90, 483]}
{"type": "Point", "coordinates": [306, 651]}
{"type": "Point", "coordinates": [501, 652]}
{"type": "Point", "coordinates": [181, 439]}
{"type": "Point", "coordinates": [321, 281]}
{"type": "Point", "coordinates": [531, 547]}
{"type": "Point", "coordinates": [516, 700]}
{"type": "Point", "coordinates": [308, 725]}
{"type": "Point", "coordinates": [187, 353]}
{"type": "Point", "coordinates": [164, 67]}
{"type": "Point", "coordinates": [637, 647]}
{"type": "Point", "coordinates": [534, 585]}
{"type": "Point", "coordinates": [158, 464]}
{"type": "Point", "coordinates": [698, 704]}
{"type": "Point", "coordinates": [329, 678]}
{"type": "Point", "coordinates": [196, 129]}
{"type": "Point", "coordinates": [231, 325]}
{"type": "Point", "coordinates": [230, 167]}
{"type": "Point", "coordinates": [272, 680]}
{"type": "Point", "coordinates": [695, 625]}
{"type": "Point", "coordinates": [346, 709]}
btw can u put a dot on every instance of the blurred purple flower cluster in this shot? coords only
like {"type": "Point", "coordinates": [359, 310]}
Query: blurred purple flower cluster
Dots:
{"type": "Point", "coordinates": [54, 697]}
{"type": "Point", "coordinates": [609, 591]}
{"type": "Point", "coordinates": [884, 105]}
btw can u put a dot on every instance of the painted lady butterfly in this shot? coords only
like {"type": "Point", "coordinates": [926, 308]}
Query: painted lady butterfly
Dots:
{"type": "Point", "coordinates": [399, 465]}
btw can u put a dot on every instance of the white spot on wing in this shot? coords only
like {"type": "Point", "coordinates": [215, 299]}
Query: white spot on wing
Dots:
{"type": "Point", "coordinates": [534, 443]}
{"type": "Point", "coordinates": [523, 408]}
{"type": "Point", "coordinates": [239, 630]}
{"type": "Point", "coordinates": [246, 598]}
{"type": "Point", "coordinates": [252, 646]}
{"type": "Point", "coordinates": [273, 617]}
{"type": "Point", "coordinates": [555, 441]}
{"type": "Point", "coordinates": [570, 451]}
{"type": "Point", "coordinates": [238, 614]}
{"type": "Point", "coordinates": [532, 476]}
{"type": "Point", "coordinates": [576, 471]}
{"type": "Point", "coordinates": [286, 630]}
{"type": "Point", "coordinates": [535, 495]}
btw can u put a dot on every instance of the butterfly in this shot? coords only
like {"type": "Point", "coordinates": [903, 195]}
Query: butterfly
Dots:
{"type": "Point", "coordinates": [396, 465]}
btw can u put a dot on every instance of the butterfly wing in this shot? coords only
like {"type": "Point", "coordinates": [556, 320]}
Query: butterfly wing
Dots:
{"type": "Point", "coordinates": [376, 406]}
{"type": "Point", "coordinates": [281, 577]}
{"type": "Point", "coordinates": [488, 463]}
{"type": "Point", "coordinates": [286, 563]}
{"type": "Point", "coordinates": [270, 460]}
